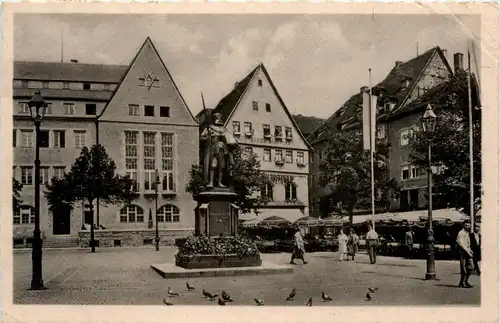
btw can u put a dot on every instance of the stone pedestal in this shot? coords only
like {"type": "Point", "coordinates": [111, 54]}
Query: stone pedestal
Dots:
{"type": "Point", "coordinates": [216, 214]}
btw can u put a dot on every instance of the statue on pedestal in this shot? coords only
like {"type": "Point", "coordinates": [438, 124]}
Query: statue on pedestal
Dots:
{"type": "Point", "coordinates": [219, 144]}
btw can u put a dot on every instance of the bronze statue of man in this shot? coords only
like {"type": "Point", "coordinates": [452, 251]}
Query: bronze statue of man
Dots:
{"type": "Point", "coordinates": [218, 147]}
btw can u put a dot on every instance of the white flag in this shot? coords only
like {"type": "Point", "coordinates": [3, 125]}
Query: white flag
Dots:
{"type": "Point", "coordinates": [369, 121]}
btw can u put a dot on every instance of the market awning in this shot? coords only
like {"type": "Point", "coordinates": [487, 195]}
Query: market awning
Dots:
{"type": "Point", "coordinates": [309, 221]}
{"type": "Point", "coordinates": [291, 215]}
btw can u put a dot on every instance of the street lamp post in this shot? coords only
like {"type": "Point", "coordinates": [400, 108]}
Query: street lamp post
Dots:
{"type": "Point", "coordinates": [37, 106]}
{"type": "Point", "coordinates": [157, 235]}
{"type": "Point", "coordinates": [429, 125]}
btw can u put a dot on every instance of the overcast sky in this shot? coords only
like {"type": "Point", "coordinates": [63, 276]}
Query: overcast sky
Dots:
{"type": "Point", "coordinates": [316, 62]}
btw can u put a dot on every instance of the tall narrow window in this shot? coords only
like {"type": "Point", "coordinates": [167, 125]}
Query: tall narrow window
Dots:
{"type": "Point", "coordinates": [255, 105]}
{"type": "Point", "coordinates": [278, 132]}
{"type": "Point", "coordinates": [59, 138]}
{"type": "Point", "coordinates": [289, 156]}
{"type": "Point", "coordinates": [259, 82]}
{"type": "Point", "coordinates": [167, 160]}
{"type": "Point", "coordinates": [268, 107]}
{"type": "Point", "coordinates": [44, 139]}
{"type": "Point", "coordinates": [288, 132]}
{"type": "Point", "coordinates": [132, 156]}
{"type": "Point", "coordinates": [248, 128]}
{"type": "Point", "coordinates": [267, 191]}
{"type": "Point", "coordinates": [44, 175]}
{"type": "Point", "coordinates": [14, 138]}
{"type": "Point", "coordinates": [290, 191]}
{"type": "Point", "coordinates": [27, 138]}
{"type": "Point", "coordinates": [149, 160]}
{"type": "Point", "coordinates": [27, 175]}
{"type": "Point", "coordinates": [24, 108]}
{"type": "Point", "coordinates": [267, 130]}
{"type": "Point", "coordinates": [236, 127]}
{"type": "Point", "coordinates": [267, 154]}
{"type": "Point", "coordinates": [300, 158]}
{"type": "Point", "coordinates": [80, 141]}
{"type": "Point", "coordinates": [278, 155]}
{"type": "Point", "coordinates": [69, 108]}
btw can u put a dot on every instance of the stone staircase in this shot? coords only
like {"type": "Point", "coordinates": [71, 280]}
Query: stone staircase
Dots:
{"type": "Point", "coordinates": [67, 242]}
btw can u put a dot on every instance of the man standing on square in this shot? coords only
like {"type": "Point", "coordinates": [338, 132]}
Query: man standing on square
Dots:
{"type": "Point", "coordinates": [409, 243]}
{"type": "Point", "coordinates": [475, 245]}
{"type": "Point", "coordinates": [372, 244]}
{"type": "Point", "coordinates": [466, 254]}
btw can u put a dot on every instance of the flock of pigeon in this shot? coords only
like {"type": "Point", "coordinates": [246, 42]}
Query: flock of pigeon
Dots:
{"type": "Point", "coordinates": [226, 298]}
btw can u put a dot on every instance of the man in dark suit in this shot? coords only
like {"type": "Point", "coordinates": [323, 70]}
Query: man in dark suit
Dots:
{"type": "Point", "coordinates": [475, 245]}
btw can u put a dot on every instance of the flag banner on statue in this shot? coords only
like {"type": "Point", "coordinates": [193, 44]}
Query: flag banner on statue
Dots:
{"type": "Point", "coordinates": [369, 127]}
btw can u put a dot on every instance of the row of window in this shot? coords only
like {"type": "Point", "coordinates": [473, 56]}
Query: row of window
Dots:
{"type": "Point", "coordinates": [68, 108]}
{"type": "Point", "coordinates": [57, 85]}
{"type": "Point", "coordinates": [148, 110]}
{"type": "Point", "coordinates": [278, 155]}
{"type": "Point", "coordinates": [267, 191]}
{"type": "Point", "coordinates": [46, 174]}
{"type": "Point", "coordinates": [255, 106]}
{"type": "Point", "coordinates": [128, 214]}
{"type": "Point", "coordinates": [411, 172]}
{"type": "Point", "coordinates": [48, 138]}
{"type": "Point", "coordinates": [266, 130]}
{"type": "Point", "coordinates": [157, 150]}
{"type": "Point", "coordinates": [135, 214]}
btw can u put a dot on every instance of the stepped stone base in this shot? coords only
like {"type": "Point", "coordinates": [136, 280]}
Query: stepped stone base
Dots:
{"type": "Point", "coordinates": [170, 270]}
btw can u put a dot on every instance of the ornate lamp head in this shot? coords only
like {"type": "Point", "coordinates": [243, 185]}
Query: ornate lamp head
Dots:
{"type": "Point", "coordinates": [429, 120]}
{"type": "Point", "coordinates": [37, 106]}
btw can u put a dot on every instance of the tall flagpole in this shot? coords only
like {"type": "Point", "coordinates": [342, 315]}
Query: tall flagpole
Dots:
{"type": "Point", "coordinates": [371, 149]}
{"type": "Point", "coordinates": [471, 141]}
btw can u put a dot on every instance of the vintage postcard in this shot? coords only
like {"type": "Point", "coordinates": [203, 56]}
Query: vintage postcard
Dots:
{"type": "Point", "coordinates": [246, 161]}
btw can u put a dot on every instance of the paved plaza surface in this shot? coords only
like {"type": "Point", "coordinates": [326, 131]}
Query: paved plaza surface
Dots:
{"type": "Point", "coordinates": [122, 276]}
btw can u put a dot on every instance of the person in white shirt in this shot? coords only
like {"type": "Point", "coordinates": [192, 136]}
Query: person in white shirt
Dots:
{"type": "Point", "coordinates": [342, 239]}
{"type": "Point", "coordinates": [372, 244]}
{"type": "Point", "coordinates": [466, 254]}
{"type": "Point", "coordinates": [299, 249]}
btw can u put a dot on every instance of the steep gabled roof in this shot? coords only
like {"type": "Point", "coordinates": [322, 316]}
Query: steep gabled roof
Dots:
{"type": "Point", "coordinates": [392, 87]}
{"type": "Point", "coordinates": [228, 104]}
{"type": "Point", "coordinates": [148, 41]}
{"type": "Point", "coordinates": [307, 124]}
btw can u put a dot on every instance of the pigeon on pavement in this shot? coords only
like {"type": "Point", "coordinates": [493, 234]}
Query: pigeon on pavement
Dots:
{"type": "Point", "coordinates": [368, 297]}
{"type": "Point", "coordinates": [189, 287]}
{"type": "Point", "coordinates": [259, 302]}
{"type": "Point", "coordinates": [226, 297]}
{"type": "Point", "coordinates": [221, 302]}
{"type": "Point", "coordinates": [205, 294]}
{"type": "Point", "coordinates": [325, 297]}
{"type": "Point", "coordinates": [309, 302]}
{"type": "Point", "coordinates": [372, 290]}
{"type": "Point", "coordinates": [167, 302]}
{"type": "Point", "coordinates": [171, 292]}
{"type": "Point", "coordinates": [292, 295]}
{"type": "Point", "coordinates": [211, 296]}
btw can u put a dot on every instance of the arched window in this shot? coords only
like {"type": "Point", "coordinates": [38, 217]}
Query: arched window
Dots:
{"type": "Point", "coordinates": [168, 213]}
{"type": "Point", "coordinates": [24, 214]}
{"type": "Point", "coordinates": [267, 191]}
{"type": "Point", "coordinates": [132, 213]}
{"type": "Point", "coordinates": [290, 191]}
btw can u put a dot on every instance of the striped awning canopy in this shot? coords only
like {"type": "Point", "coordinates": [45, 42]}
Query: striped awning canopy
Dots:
{"type": "Point", "coordinates": [309, 221]}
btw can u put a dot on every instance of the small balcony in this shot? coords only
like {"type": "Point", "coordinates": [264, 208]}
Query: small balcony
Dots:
{"type": "Point", "coordinates": [237, 133]}
{"type": "Point", "coordinates": [301, 163]}
{"type": "Point", "coordinates": [249, 133]}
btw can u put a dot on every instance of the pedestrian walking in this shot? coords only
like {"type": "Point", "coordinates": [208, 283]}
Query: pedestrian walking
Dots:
{"type": "Point", "coordinates": [372, 244]}
{"type": "Point", "coordinates": [475, 245]}
{"type": "Point", "coordinates": [299, 249]}
{"type": "Point", "coordinates": [409, 243]}
{"type": "Point", "coordinates": [352, 245]}
{"type": "Point", "coordinates": [466, 255]}
{"type": "Point", "coordinates": [342, 239]}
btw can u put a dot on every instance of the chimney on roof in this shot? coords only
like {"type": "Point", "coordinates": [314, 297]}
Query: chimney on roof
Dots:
{"type": "Point", "coordinates": [74, 61]}
{"type": "Point", "coordinates": [364, 89]}
{"type": "Point", "coordinates": [458, 62]}
{"type": "Point", "coordinates": [398, 63]}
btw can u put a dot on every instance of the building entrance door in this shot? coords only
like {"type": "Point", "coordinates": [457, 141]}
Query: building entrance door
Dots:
{"type": "Point", "coordinates": [61, 221]}
{"type": "Point", "coordinates": [88, 217]}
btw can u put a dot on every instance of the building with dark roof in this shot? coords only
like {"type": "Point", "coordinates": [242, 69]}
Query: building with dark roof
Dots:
{"type": "Point", "coordinates": [138, 114]}
{"type": "Point", "coordinates": [307, 124]}
{"type": "Point", "coordinates": [256, 115]}
{"type": "Point", "coordinates": [399, 110]}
